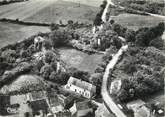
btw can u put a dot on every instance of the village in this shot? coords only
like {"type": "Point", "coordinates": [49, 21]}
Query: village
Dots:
{"type": "Point", "coordinates": [82, 69]}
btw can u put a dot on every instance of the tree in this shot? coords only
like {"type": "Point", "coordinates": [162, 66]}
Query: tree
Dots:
{"type": "Point", "coordinates": [54, 26]}
{"type": "Point", "coordinates": [60, 37]}
{"type": "Point", "coordinates": [122, 95]}
{"type": "Point", "coordinates": [103, 5]}
{"type": "Point", "coordinates": [130, 35]}
{"type": "Point", "coordinates": [50, 56]}
{"type": "Point", "coordinates": [60, 78]}
{"type": "Point", "coordinates": [78, 74]}
{"type": "Point", "coordinates": [9, 55]}
{"type": "Point", "coordinates": [157, 42]}
{"type": "Point", "coordinates": [145, 35]}
{"type": "Point", "coordinates": [47, 44]}
{"type": "Point", "coordinates": [96, 79]}
{"type": "Point", "coordinates": [24, 53]}
{"type": "Point", "coordinates": [45, 71]}
{"type": "Point", "coordinates": [98, 20]}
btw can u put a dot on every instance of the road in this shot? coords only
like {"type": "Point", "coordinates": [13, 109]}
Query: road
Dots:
{"type": "Point", "coordinates": [105, 92]}
{"type": "Point", "coordinates": [23, 10]}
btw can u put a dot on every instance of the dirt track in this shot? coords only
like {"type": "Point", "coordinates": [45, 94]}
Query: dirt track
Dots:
{"type": "Point", "coordinates": [23, 10]}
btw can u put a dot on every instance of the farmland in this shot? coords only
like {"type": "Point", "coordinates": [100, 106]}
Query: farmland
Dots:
{"type": "Point", "coordinates": [64, 11]}
{"type": "Point", "coordinates": [135, 22]}
{"type": "Point", "coordinates": [11, 33]}
{"type": "Point", "coordinates": [49, 11]}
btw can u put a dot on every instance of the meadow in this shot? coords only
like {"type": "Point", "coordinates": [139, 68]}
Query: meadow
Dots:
{"type": "Point", "coordinates": [133, 21]}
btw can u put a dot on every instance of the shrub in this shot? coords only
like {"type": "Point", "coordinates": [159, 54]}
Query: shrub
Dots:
{"type": "Point", "coordinates": [60, 37]}
{"type": "Point", "coordinates": [54, 27]}
{"type": "Point", "coordinates": [9, 55]}
{"type": "Point", "coordinates": [45, 71]}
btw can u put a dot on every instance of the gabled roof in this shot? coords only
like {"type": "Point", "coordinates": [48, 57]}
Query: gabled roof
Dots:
{"type": "Point", "coordinates": [82, 84]}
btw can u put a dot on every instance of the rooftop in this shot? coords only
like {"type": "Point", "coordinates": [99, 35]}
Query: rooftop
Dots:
{"type": "Point", "coordinates": [82, 84]}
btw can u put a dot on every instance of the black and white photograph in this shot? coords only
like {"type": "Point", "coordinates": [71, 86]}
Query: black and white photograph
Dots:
{"type": "Point", "coordinates": [82, 58]}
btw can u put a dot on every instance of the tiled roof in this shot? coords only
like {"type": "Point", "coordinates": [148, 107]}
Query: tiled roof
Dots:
{"type": "Point", "coordinates": [82, 84]}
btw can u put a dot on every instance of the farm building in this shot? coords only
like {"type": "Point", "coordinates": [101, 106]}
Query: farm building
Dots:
{"type": "Point", "coordinates": [81, 87]}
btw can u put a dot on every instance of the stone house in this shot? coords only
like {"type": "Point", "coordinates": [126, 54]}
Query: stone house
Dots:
{"type": "Point", "coordinates": [81, 87]}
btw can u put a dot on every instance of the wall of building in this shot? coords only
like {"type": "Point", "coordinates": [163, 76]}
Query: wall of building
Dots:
{"type": "Point", "coordinates": [79, 90]}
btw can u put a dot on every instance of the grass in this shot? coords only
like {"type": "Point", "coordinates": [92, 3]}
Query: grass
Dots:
{"type": "Point", "coordinates": [11, 33]}
{"type": "Point", "coordinates": [63, 10]}
{"type": "Point", "coordinates": [135, 22]}
{"type": "Point", "coordinates": [95, 3]}
{"type": "Point", "coordinates": [80, 60]}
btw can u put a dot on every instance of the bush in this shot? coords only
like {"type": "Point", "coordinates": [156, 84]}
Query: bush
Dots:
{"type": "Point", "coordinates": [60, 38]}
{"type": "Point", "coordinates": [145, 35]}
{"type": "Point", "coordinates": [9, 55]}
{"type": "Point", "coordinates": [54, 27]}
{"type": "Point", "coordinates": [45, 71]}
{"type": "Point", "coordinates": [50, 56]}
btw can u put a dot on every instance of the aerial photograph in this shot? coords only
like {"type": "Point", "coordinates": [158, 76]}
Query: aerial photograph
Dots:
{"type": "Point", "coordinates": [82, 58]}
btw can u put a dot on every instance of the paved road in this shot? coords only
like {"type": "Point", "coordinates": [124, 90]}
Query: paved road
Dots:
{"type": "Point", "coordinates": [23, 10]}
{"type": "Point", "coordinates": [105, 92]}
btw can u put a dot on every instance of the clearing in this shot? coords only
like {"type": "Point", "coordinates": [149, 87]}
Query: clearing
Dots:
{"type": "Point", "coordinates": [80, 60]}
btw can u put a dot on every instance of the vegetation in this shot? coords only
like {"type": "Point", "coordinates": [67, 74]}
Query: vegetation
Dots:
{"type": "Point", "coordinates": [60, 37]}
{"type": "Point", "coordinates": [98, 20]}
{"type": "Point", "coordinates": [147, 6]}
{"type": "Point", "coordinates": [142, 66]}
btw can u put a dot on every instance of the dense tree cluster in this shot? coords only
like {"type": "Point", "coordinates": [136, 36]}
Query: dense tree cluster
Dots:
{"type": "Point", "coordinates": [60, 37]}
{"type": "Point", "coordinates": [144, 69]}
{"type": "Point", "coordinates": [151, 7]}
{"type": "Point", "coordinates": [147, 36]}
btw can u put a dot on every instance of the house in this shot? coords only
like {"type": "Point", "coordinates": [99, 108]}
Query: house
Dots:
{"type": "Point", "coordinates": [139, 108]}
{"type": "Point", "coordinates": [81, 109]}
{"type": "Point", "coordinates": [81, 87]}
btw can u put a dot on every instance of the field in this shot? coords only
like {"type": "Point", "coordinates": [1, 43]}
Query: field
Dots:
{"type": "Point", "coordinates": [80, 60]}
{"type": "Point", "coordinates": [11, 33]}
{"type": "Point", "coordinates": [95, 3]}
{"type": "Point", "coordinates": [23, 10]}
{"type": "Point", "coordinates": [64, 11]}
{"type": "Point", "coordinates": [50, 11]}
{"type": "Point", "coordinates": [135, 22]}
